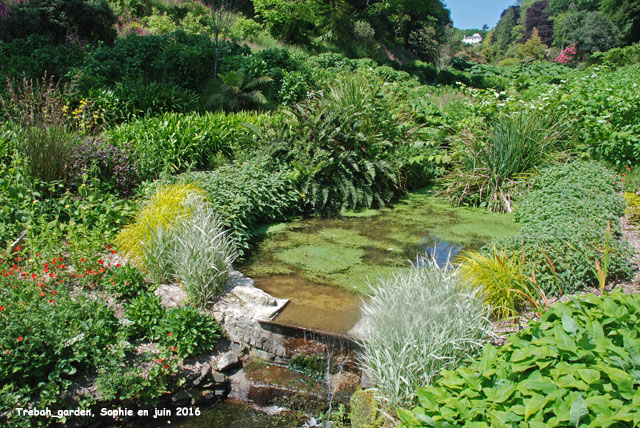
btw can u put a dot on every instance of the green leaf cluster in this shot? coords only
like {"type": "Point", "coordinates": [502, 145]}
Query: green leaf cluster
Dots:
{"type": "Point", "coordinates": [564, 221]}
{"type": "Point", "coordinates": [578, 366]}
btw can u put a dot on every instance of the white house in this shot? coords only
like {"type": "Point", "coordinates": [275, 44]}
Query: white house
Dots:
{"type": "Point", "coordinates": [472, 40]}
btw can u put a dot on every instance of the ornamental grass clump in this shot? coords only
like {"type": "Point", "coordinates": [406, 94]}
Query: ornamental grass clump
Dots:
{"type": "Point", "coordinates": [491, 161]}
{"type": "Point", "coordinates": [160, 211]}
{"type": "Point", "coordinates": [417, 324]}
{"type": "Point", "coordinates": [202, 252]}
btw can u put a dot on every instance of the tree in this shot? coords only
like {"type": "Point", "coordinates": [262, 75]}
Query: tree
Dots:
{"type": "Point", "coordinates": [222, 17]}
{"type": "Point", "coordinates": [62, 20]}
{"type": "Point", "coordinates": [293, 21]}
{"type": "Point", "coordinates": [538, 19]}
{"type": "Point", "coordinates": [557, 7]}
{"type": "Point", "coordinates": [503, 33]}
{"type": "Point", "coordinates": [626, 15]}
{"type": "Point", "coordinates": [591, 32]}
{"type": "Point", "coordinates": [530, 51]}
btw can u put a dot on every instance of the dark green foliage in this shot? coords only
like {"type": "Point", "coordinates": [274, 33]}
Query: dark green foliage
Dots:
{"type": "Point", "coordinates": [314, 366]}
{"type": "Point", "coordinates": [247, 196]}
{"type": "Point", "coordinates": [188, 330]}
{"type": "Point", "coordinates": [564, 221]}
{"type": "Point", "coordinates": [625, 14]}
{"type": "Point", "coordinates": [130, 99]}
{"type": "Point", "coordinates": [181, 59]}
{"type": "Point", "coordinates": [62, 20]}
{"type": "Point", "coordinates": [233, 91]}
{"type": "Point", "coordinates": [503, 33]}
{"type": "Point", "coordinates": [176, 142]}
{"type": "Point", "coordinates": [34, 55]}
{"type": "Point", "coordinates": [537, 18]}
{"type": "Point", "coordinates": [577, 366]}
{"type": "Point", "coordinates": [338, 144]}
{"type": "Point", "coordinates": [592, 31]}
{"type": "Point", "coordinates": [126, 281]}
{"type": "Point", "coordinates": [618, 57]}
{"type": "Point", "coordinates": [145, 313]}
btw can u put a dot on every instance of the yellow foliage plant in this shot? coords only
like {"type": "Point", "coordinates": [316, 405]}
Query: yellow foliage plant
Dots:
{"type": "Point", "coordinates": [501, 278]}
{"type": "Point", "coordinates": [633, 208]}
{"type": "Point", "coordinates": [162, 210]}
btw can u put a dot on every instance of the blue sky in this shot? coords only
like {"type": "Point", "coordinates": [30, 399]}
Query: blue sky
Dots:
{"type": "Point", "coordinates": [475, 13]}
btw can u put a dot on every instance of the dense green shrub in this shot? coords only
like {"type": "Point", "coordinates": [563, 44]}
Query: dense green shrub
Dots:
{"type": "Point", "coordinates": [190, 331]}
{"type": "Point", "coordinates": [177, 142]}
{"type": "Point", "coordinates": [417, 324]}
{"type": "Point", "coordinates": [601, 106]}
{"type": "Point", "coordinates": [564, 222]}
{"type": "Point", "coordinates": [62, 20]}
{"type": "Point", "coordinates": [130, 99]}
{"type": "Point", "coordinates": [145, 312]}
{"type": "Point", "coordinates": [34, 55]}
{"type": "Point", "coordinates": [125, 281]}
{"type": "Point", "coordinates": [181, 59]}
{"type": "Point", "coordinates": [340, 144]}
{"type": "Point", "coordinates": [49, 333]}
{"type": "Point", "coordinates": [618, 57]}
{"type": "Point", "coordinates": [577, 366]}
{"type": "Point", "coordinates": [246, 196]}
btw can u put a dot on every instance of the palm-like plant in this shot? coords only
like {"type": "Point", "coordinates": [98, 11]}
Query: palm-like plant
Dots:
{"type": "Point", "coordinates": [234, 92]}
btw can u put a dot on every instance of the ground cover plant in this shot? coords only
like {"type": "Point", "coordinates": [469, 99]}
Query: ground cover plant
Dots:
{"type": "Point", "coordinates": [577, 366]}
{"type": "Point", "coordinates": [569, 241]}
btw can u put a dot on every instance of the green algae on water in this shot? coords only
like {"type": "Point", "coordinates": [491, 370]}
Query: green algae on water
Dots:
{"type": "Point", "coordinates": [353, 251]}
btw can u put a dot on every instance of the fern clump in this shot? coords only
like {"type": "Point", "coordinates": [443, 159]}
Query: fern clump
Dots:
{"type": "Point", "coordinates": [162, 211]}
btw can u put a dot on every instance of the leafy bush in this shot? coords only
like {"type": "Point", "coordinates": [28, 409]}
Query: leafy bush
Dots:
{"type": "Point", "coordinates": [338, 144]}
{"type": "Point", "coordinates": [125, 281]}
{"type": "Point", "coordinates": [62, 20]}
{"type": "Point", "coordinates": [162, 210]}
{"type": "Point", "coordinates": [577, 366]}
{"type": "Point", "coordinates": [564, 223]}
{"type": "Point", "coordinates": [49, 332]}
{"type": "Point", "coordinates": [490, 161]}
{"type": "Point", "coordinates": [176, 142]}
{"type": "Point", "coordinates": [246, 196]}
{"type": "Point", "coordinates": [97, 158]}
{"type": "Point", "coordinates": [145, 313]}
{"type": "Point", "coordinates": [417, 324]}
{"type": "Point", "coordinates": [131, 99]}
{"type": "Point", "coordinates": [189, 330]}
{"type": "Point", "coordinates": [185, 60]}
{"type": "Point", "coordinates": [601, 106]}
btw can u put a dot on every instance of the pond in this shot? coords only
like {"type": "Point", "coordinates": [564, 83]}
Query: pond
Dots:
{"type": "Point", "coordinates": [325, 265]}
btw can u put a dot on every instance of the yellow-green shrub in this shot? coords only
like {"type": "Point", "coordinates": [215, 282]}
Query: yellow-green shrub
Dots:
{"type": "Point", "coordinates": [633, 207]}
{"type": "Point", "coordinates": [161, 211]}
{"type": "Point", "coordinates": [505, 286]}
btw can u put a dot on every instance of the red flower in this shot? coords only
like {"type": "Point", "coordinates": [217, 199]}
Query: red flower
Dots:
{"type": "Point", "coordinates": [19, 339]}
{"type": "Point", "coordinates": [54, 292]}
{"type": "Point", "coordinates": [51, 301]}
{"type": "Point", "coordinates": [42, 294]}
{"type": "Point", "coordinates": [175, 348]}
{"type": "Point", "coordinates": [83, 259]}
{"type": "Point", "coordinates": [170, 333]}
{"type": "Point", "coordinates": [100, 262]}
{"type": "Point", "coordinates": [117, 264]}
{"type": "Point", "coordinates": [1, 308]}
{"type": "Point", "coordinates": [108, 247]}
{"type": "Point", "coordinates": [8, 352]}
{"type": "Point", "coordinates": [17, 248]}
{"type": "Point", "coordinates": [33, 275]}
{"type": "Point", "coordinates": [113, 252]}
{"type": "Point", "coordinates": [159, 360]}
{"type": "Point", "coordinates": [166, 366]}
